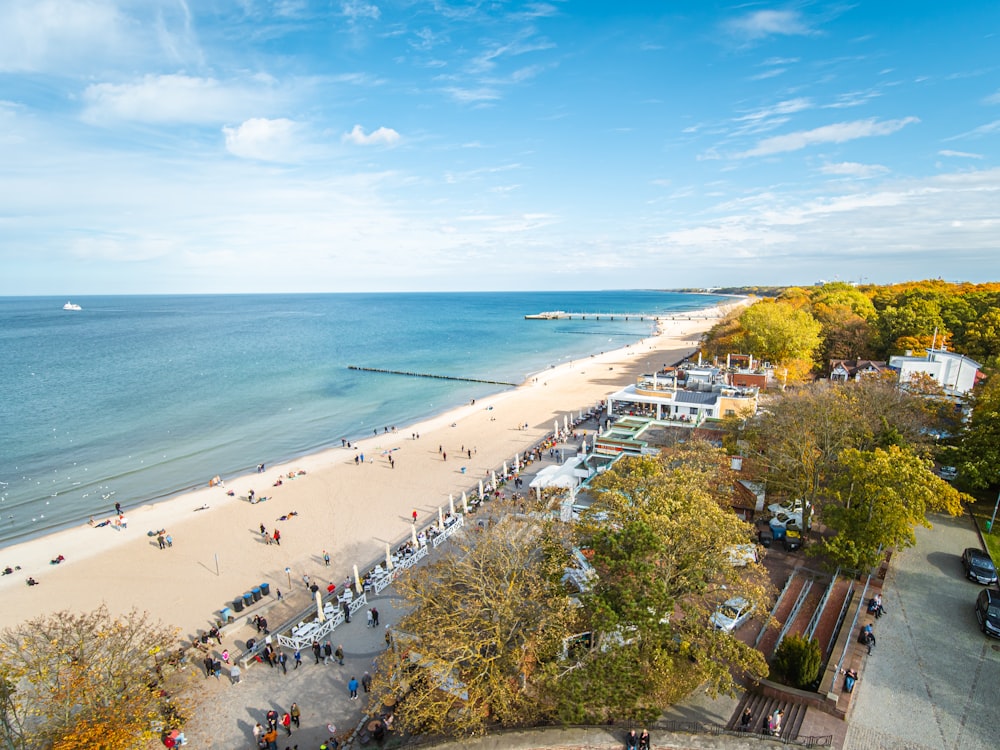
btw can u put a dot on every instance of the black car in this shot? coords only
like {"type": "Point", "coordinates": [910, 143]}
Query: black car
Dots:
{"type": "Point", "coordinates": [978, 566]}
{"type": "Point", "coordinates": [988, 612]}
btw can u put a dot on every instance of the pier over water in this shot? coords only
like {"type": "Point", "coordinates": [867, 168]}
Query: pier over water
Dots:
{"type": "Point", "coordinates": [429, 375]}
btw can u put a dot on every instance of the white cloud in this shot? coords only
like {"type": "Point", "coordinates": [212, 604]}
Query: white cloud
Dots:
{"type": "Point", "coordinates": [263, 139]}
{"type": "Point", "coordinates": [959, 154]}
{"type": "Point", "coordinates": [358, 9]}
{"type": "Point", "coordinates": [772, 73]}
{"type": "Point", "coordinates": [840, 132]}
{"type": "Point", "coordinates": [992, 98]}
{"type": "Point", "coordinates": [174, 98]}
{"type": "Point", "coordinates": [472, 96]}
{"type": "Point", "coordinates": [83, 36]}
{"type": "Point", "coordinates": [787, 107]}
{"type": "Point", "coordinates": [379, 137]}
{"type": "Point", "coordinates": [853, 169]}
{"type": "Point", "coordinates": [987, 129]}
{"type": "Point", "coordinates": [763, 23]}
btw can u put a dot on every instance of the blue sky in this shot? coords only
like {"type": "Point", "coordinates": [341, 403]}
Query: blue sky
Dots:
{"type": "Point", "coordinates": [199, 146]}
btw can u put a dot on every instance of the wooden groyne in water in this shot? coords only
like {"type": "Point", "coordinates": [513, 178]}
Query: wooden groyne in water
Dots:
{"type": "Point", "coordinates": [429, 375]}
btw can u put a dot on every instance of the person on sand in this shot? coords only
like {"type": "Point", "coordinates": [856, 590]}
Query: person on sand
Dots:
{"type": "Point", "coordinates": [31, 581]}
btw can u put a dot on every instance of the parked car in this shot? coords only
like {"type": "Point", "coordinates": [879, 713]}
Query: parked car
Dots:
{"type": "Point", "coordinates": [979, 566]}
{"type": "Point", "coordinates": [732, 613]}
{"type": "Point", "coordinates": [948, 473]}
{"type": "Point", "coordinates": [988, 612]}
{"type": "Point", "coordinates": [789, 506]}
{"type": "Point", "coordinates": [741, 555]}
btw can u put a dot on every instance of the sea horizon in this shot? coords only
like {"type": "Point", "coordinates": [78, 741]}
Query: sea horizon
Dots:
{"type": "Point", "coordinates": [138, 398]}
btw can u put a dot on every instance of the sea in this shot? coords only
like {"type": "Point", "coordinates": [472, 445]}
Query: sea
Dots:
{"type": "Point", "coordinates": [137, 398]}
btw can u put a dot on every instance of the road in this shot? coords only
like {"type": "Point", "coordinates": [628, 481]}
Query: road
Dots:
{"type": "Point", "coordinates": [933, 681]}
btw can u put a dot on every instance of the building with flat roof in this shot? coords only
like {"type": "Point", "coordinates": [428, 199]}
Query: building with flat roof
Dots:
{"type": "Point", "coordinates": [955, 373]}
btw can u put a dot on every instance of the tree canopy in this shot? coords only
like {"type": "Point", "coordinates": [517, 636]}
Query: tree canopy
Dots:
{"type": "Point", "coordinates": [482, 619]}
{"type": "Point", "coordinates": [660, 530]}
{"type": "Point", "coordinates": [75, 680]}
{"type": "Point", "coordinates": [875, 501]}
{"type": "Point", "coordinates": [979, 448]}
{"type": "Point", "coordinates": [778, 331]}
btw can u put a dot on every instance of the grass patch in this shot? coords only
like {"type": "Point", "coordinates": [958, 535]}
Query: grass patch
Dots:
{"type": "Point", "coordinates": [992, 539]}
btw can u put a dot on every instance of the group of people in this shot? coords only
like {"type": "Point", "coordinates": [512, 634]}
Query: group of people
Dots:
{"type": "Point", "coordinates": [268, 737]}
{"type": "Point", "coordinates": [637, 741]}
{"type": "Point", "coordinates": [875, 606]}
{"type": "Point", "coordinates": [774, 720]}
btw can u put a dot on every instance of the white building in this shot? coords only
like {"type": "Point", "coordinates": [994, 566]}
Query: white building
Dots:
{"type": "Point", "coordinates": [956, 373]}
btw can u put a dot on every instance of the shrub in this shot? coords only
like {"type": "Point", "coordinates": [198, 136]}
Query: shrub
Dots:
{"type": "Point", "coordinates": [798, 660]}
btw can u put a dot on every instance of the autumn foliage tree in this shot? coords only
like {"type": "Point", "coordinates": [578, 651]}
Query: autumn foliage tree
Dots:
{"type": "Point", "coordinates": [76, 680]}
{"type": "Point", "coordinates": [482, 618]}
{"type": "Point", "coordinates": [660, 530]}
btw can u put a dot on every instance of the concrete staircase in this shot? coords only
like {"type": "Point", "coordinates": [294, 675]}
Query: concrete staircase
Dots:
{"type": "Point", "coordinates": [762, 706]}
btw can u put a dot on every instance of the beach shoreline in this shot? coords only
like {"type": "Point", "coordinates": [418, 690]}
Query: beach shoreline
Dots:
{"type": "Point", "coordinates": [342, 507]}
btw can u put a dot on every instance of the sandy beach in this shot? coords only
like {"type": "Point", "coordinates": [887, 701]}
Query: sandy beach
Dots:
{"type": "Point", "coordinates": [349, 510]}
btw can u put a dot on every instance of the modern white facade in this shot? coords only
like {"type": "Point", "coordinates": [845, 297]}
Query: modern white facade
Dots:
{"type": "Point", "coordinates": [956, 373]}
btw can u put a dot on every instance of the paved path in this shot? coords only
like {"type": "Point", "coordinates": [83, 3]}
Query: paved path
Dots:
{"type": "Point", "coordinates": [228, 712]}
{"type": "Point", "coordinates": [933, 681]}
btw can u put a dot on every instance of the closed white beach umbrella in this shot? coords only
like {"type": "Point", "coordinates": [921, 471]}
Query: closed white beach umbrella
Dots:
{"type": "Point", "coordinates": [493, 478]}
{"type": "Point", "coordinates": [565, 423]}
{"type": "Point", "coordinates": [465, 502]}
{"type": "Point", "coordinates": [388, 557]}
{"type": "Point", "coordinates": [480, 489]}
{"type": "Point", "coordinates": [440, 518]}
{"type": "Point", "coordinates": [504, 469]}
{"type": "Point", "coordinates": [539, 488]}
{"type": "Point", "coordinates": [413, 536]}
{"type": "Point", "coordinates": [555, 427]}
{"type": "Point", "coordinates": [319, 608]}
{"type": "Point", "coordinates": [517, 462]}
{"type": "Point", "coordinates": [357, 580]}
{"type": "Point", "coordinates": [451, 504]}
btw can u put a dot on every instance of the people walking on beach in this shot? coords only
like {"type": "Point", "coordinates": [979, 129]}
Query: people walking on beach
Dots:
{"type": "Point", "coordinates": [326, 558]}
{"type": "Point", "coordinates": [234, 674]}
{"type": "Point", "coordinates": [170, 540]}
{"type": "Point", "coordinates": [305, 579]}
{"type": "Point", "coordinates": [414, 516]}
{"type": "Point", "coordinates": [161, 541]}
{"type": "Point", "coordinates": [209, 663]}
{"type": "Point", "coordinates": [225, 655]}
{"type": "Point", "coordinates": [277, 537]}
{"type": "Point", "coordinates": [352, 686]}
{"type": "Point", "coordinates": [213, 632]}
{"type": "Point", "coordinates": [263, 530]}
{"type": "Point", "coordinates": [339, 653]}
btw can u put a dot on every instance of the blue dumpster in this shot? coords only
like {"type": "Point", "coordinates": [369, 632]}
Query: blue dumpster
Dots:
{"type": "Point", "coordinates": [226, 614]}
{"type": "Point", "coordinates": [247, 599]}
{"type": "Point", "coordinates": [265, 589]}
{"type": "Point", "coordinates": [255, 591]}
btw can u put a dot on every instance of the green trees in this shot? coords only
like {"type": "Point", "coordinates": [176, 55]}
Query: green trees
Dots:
{"type": "Point", "coordinates": [979, 449]}
{"type": "Point", "coordinates": [83, 680]}
{"type": "Point", "coordinates": [779, 332]}
{"type": "Point", "coordinates": [798, 660]}
{"type": "Point", "coordinates": [660, 539]}
{"type": "Point", "coordinates": [874, 502]}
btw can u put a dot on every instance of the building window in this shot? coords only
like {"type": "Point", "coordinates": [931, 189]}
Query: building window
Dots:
{"type": "Point", "coordinates": [693, 410]}
{"type": "Point", "coordinates": [730, 412]}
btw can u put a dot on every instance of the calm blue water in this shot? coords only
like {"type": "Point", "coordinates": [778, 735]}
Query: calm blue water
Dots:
{"type": "Point", "coordinates": [137, 398]}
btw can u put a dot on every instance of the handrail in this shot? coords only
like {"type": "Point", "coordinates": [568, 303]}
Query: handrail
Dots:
{"type": "Point", "coordinates": [794, 613]}
{"type": "Point", "coordinates": [818, 613]}
{"type": "Point", "coordinates": [777, 604]}
{"type": "Point", "coordinates": [847, 641]}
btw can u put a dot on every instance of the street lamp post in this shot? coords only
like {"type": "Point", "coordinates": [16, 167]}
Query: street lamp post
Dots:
{"type": "Point", "coordinates": [992, 520]}
{"type": "Point", "coordinates": [288, 572]}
